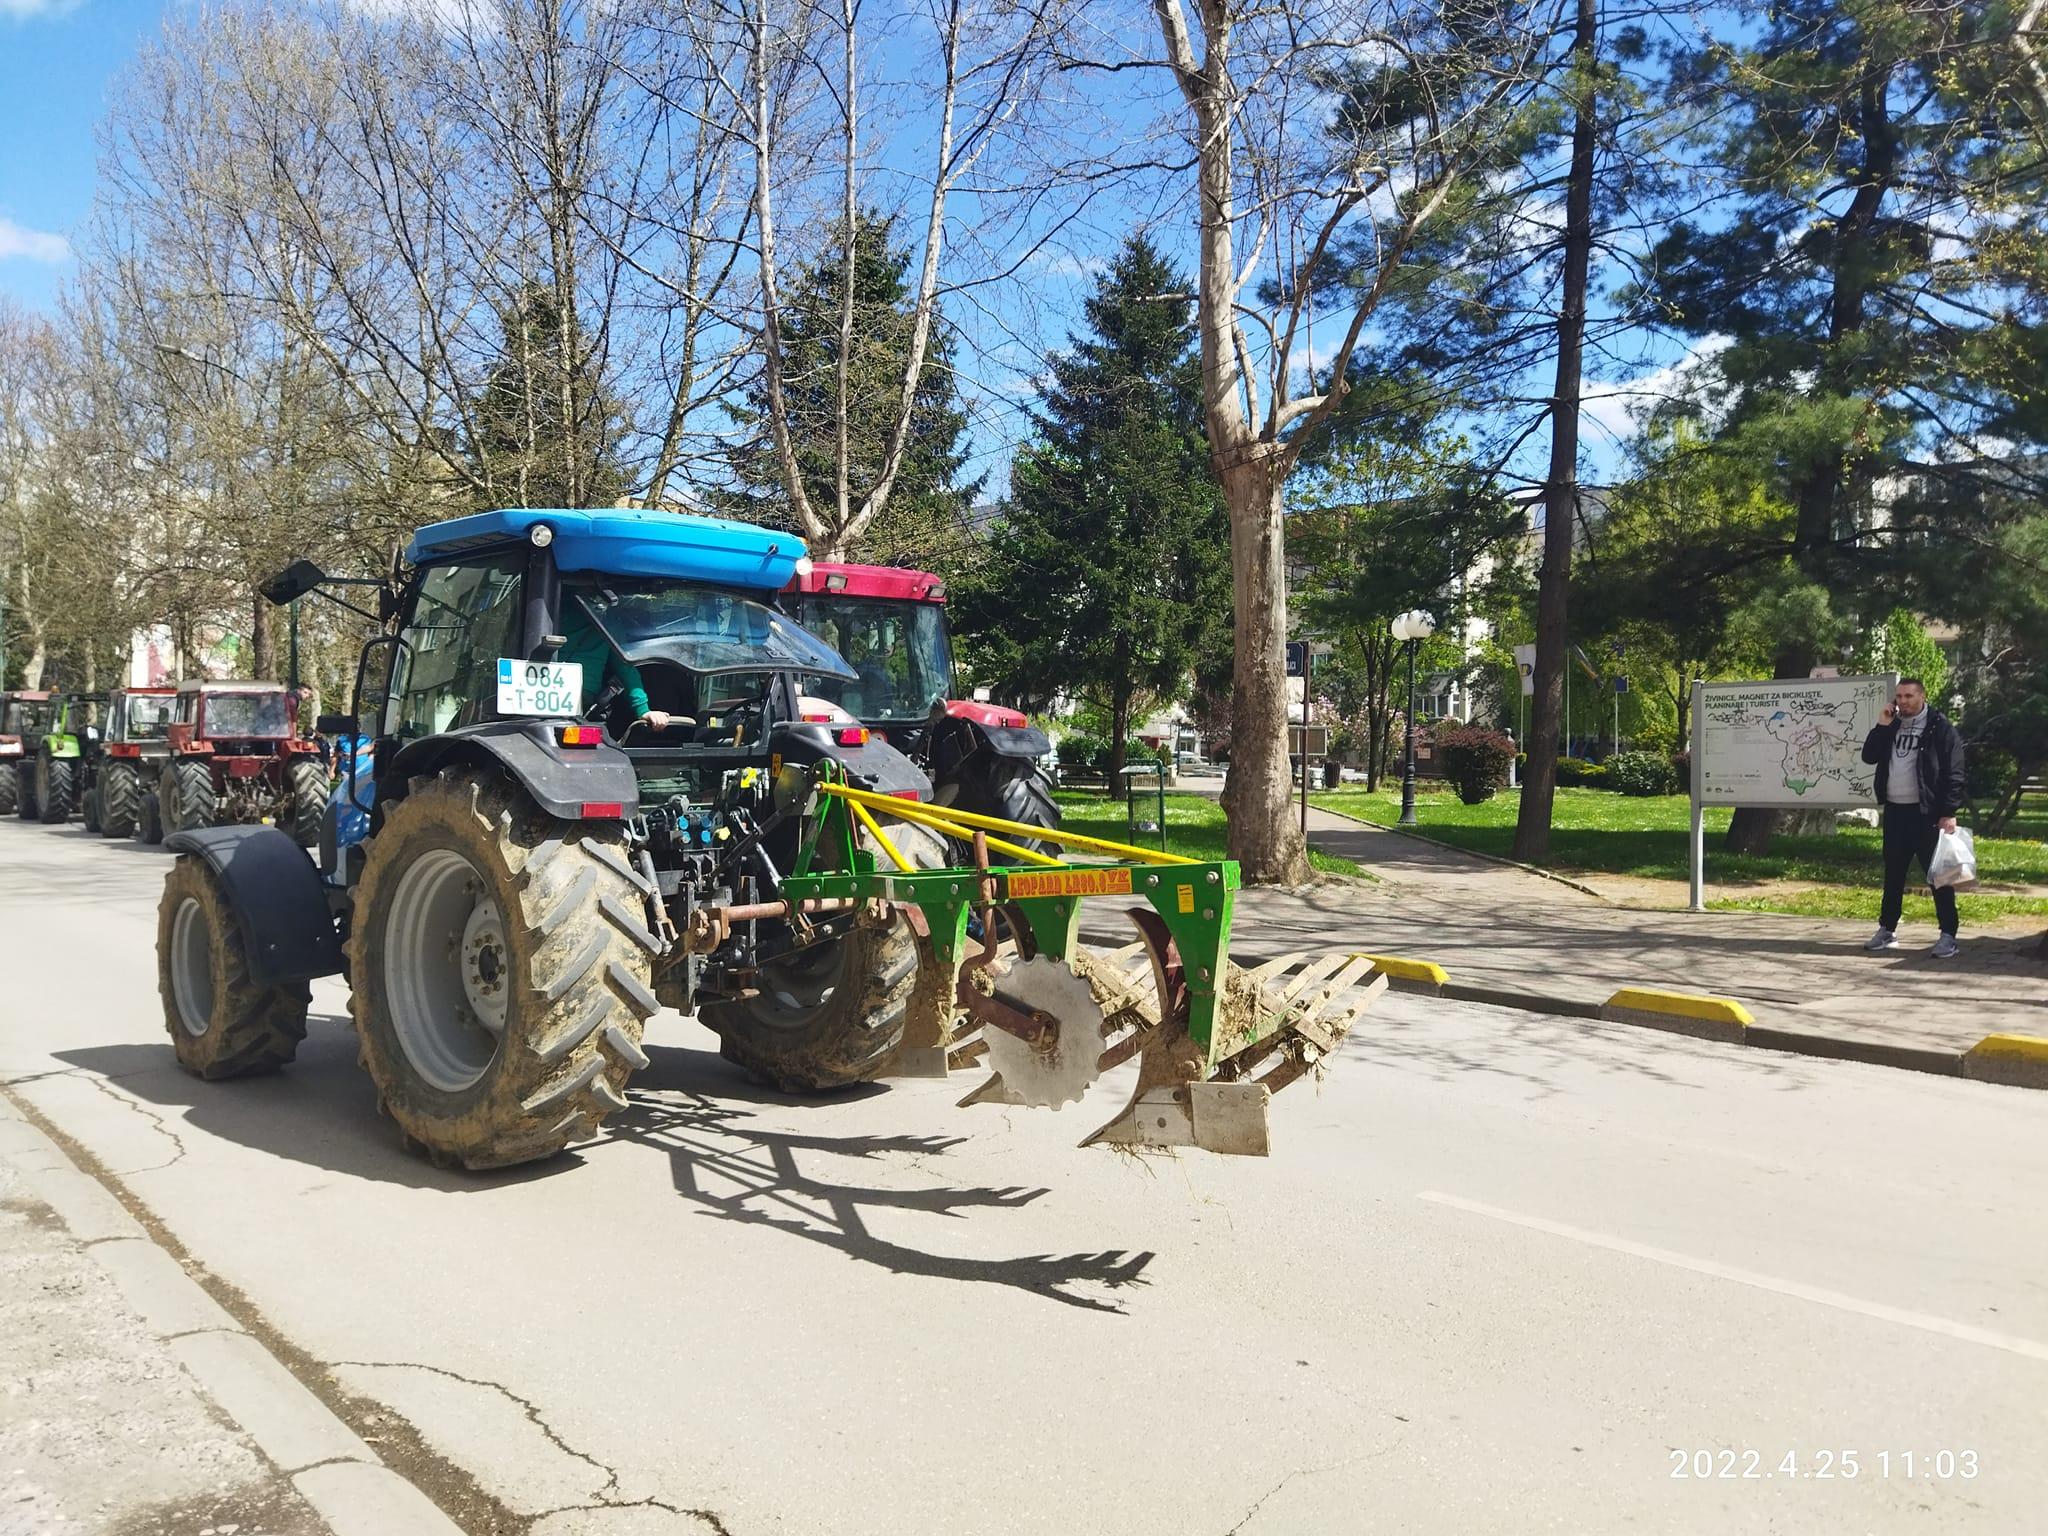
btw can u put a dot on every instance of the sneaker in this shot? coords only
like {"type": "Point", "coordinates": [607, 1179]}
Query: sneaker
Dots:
{"type": "Point", "coordinates": [1882, 939]}
{"type": "Point", "coordinates": [1945, 948]}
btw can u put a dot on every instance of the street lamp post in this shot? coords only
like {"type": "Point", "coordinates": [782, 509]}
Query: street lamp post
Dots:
{"type": "Point", "coordinates": [1411, 629]}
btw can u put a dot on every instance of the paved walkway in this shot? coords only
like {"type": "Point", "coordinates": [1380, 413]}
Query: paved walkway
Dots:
{"type": "Point", "coordinates": [1498, 927]}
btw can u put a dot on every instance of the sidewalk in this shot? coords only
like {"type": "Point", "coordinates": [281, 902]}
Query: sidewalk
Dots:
{"type": "Point", "coordinates": [1502, 929]}
{"type": "Point", "coordinates": [131, 1402]}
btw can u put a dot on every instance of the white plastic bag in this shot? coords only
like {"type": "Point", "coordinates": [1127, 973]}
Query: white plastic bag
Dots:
{"type": "Point", "coordinates": [1954, 865]}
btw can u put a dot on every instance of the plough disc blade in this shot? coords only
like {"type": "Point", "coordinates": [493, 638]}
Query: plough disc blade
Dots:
{"type": "Point", "coordinates": [1273, 1026]}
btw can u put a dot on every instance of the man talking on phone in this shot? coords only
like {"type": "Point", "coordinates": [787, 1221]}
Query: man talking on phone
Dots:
{"type": "Point", "coordinates": [1919, 758]}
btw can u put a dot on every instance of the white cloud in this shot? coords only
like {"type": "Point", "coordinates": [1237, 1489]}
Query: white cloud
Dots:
{"type": "Point", "coordinates": [1618, 409]}
{"type": "Point", "coordinates": [21, 10]}
{"type": "Point", "coordinates": [30, 244]}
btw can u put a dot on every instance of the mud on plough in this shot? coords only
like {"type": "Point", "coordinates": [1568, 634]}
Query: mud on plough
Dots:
{"type": "Point", "coordinates": [1007, 984]}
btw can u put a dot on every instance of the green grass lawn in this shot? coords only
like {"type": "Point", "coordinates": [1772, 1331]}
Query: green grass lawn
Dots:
{"type": "Point", "coordinates": [1595, 831]}
{"type": "Point", "coordinates": [1194, 826]}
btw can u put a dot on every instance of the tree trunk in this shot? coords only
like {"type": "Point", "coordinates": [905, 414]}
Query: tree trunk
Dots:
{"type": "Point", "coordinates": [260, 661]}
{"type": "Point", "coordinates": [1257, 796]}
{"type": "Point", "coordinates": [1119, 732]}
{"type": "Point", "coordinates": [1560, 492]}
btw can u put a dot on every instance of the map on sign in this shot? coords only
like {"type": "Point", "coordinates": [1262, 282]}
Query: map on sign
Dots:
{"type": "Point", "coordinates": [1795, 742]}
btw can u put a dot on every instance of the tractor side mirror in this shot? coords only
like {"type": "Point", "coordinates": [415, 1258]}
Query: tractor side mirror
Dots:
{"type": "Point", "coordinates": [293, 582]}
{"type": "Point", "coordinates": [389, 600]}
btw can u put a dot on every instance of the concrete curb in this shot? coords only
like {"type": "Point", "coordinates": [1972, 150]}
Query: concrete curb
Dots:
{"type": "Point", "coordinates": [2014, 1061]}
{"type": "Point", "coordinates": [1470, 853]}
{"type": "Point", "coordinates": [326, 1462]}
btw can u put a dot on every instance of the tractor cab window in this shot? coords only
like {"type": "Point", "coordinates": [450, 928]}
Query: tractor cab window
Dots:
{"type": "Point", "coordinates": [25, 718]}
{"type": "Point", "coordinates": [898, 649]}
{"type": "Point", "coordinates": [465, 618]}
{"type": "Point", "coordinates": [147, 716]}
{"type": "Point", "coordinates": [232, 716]}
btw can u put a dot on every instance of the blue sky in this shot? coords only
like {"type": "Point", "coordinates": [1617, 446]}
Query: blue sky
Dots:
{"type": "Point", "coordinates": [58, 60]}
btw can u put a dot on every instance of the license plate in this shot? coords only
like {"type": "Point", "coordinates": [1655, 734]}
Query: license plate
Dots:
{"type": "Point", "coordinates": [540, 687]}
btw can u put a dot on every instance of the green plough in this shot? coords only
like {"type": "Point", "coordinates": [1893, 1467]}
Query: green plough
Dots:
{"type": "Point", "coordinates": [1008, 984]}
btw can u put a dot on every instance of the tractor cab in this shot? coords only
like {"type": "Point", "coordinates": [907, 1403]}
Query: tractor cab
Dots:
{"type": "Point", "coordinates": [231, 718]}
{"type": "Point", "coordinates": [24, 721]}
{"type": "Point", "coordinates": [139, 721]}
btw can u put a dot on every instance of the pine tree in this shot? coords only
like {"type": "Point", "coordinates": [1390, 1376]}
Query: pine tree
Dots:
{"type": "Point", "coordinates": [1108, 575]}
{"type": "Point", "coordinates": [1882, 284]}
{"type": "Point", "coordinates": [545, 433]}
{"type": "Point", "coordinates": [928, 509]}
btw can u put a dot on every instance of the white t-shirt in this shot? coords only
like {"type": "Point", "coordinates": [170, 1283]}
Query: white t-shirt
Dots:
{"type": "Point", "coordinates": [1902, 778]}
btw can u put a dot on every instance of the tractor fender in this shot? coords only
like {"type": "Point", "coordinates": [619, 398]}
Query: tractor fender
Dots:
{"type": "Point", "coordinates": [287, 927]}
{"type": "Point", "coordinates": [958, 738]}
{"type": "Point", "coordinates": [561, 780]}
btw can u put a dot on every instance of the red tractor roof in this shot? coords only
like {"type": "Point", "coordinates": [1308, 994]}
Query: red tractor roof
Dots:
{"type": "Point", "coordinates": [885, 581]}
{"type": "Point", "coordinates": [163, 688]}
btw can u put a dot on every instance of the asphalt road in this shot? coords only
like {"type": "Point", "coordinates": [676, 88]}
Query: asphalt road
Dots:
{"type": "Point", "coordinates": [1502, 1272]}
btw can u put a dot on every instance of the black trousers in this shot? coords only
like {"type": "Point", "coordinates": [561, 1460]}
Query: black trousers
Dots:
{"type": "Point", "coordinates": [1909, 834]}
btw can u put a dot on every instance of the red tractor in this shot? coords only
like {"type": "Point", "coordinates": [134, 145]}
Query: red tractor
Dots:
{"type": "Point", "coordinates": [890, 625]}
{"type": "Point", "coordinates": [237, 757]}
{"type": "Point", "coordinates": [24, 718]}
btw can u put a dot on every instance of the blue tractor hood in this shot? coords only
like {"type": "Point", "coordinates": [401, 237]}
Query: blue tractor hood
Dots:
{"type": "Point", "coordinates": [619, 542]}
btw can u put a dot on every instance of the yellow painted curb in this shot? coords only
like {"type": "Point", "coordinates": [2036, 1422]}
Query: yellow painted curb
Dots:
{"type": "Point", "coordinates": [1685, 1005]}
{"type": "Point", "coordinates": [2020, 1061]}
{"type": "Point", "coordinates": [1396, 968]}
{"type": "Point", "coordinates": [2025, 1047]}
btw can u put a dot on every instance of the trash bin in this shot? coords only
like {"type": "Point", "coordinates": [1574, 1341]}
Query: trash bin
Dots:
{"type": "Point", "coordinates": [1333, 773]}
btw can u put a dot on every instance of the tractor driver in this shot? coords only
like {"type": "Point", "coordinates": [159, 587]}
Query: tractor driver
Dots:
{"type": "Point", "coordinates": [601, 664]}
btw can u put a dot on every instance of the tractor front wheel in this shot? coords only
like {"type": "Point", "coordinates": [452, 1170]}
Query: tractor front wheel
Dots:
{"type": "Point", "coordinates": [120, 800]}
{"type": "Point", "coordinates": [185, 796]}
{"type": "Point", "coordinates": [10, 788]}
{"type": "Point", "coordinates": [307, 782]}
{"type": "Point", "coordinates": [25, 776]}
{"type": "Point", "coordinates": [149, 820]}
{"type": "Point", "coordinates": [55, 781]}
{"type": "Point", "coordinates": [501, 966]}
{"type": "Point", "coordinates": [830, 1015]}
{"type": "Point", "coordinates": [221, 1023]}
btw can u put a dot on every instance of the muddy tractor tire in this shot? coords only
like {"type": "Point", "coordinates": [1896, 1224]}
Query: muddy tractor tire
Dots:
{"type": "Point", "coordinates": [56, 782]}
{"type": "Point", "coordinates": [829, 1016]}
{"type": "Point", "coordinates": [10, 788]}
{"type": "Point", "coordinates": [25, 777]}
{"type": "Point", "coordinates": [501, 967]}
{"type": "Point", "coordinates": [149, 820]}
{"type": "Point", "coordinates": [1011, 790]}
{"type": "Point", "coordinates": [221, 1023]}
{"type": "Point", "coordinates": [185, 797]}
{"type": "Point", "coordinates": [306, 782]}
{"type": "Point", "coordinates": [120, 800]}
{"type": "Point", "coordinates": [89, 807]}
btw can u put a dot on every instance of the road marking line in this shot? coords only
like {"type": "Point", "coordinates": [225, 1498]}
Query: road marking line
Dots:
{"type": "Point", "coordinates": [2012, 1344]}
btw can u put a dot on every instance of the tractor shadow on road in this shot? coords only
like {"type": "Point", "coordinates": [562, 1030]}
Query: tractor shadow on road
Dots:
{"type": "Point", "coordinates": [715, 1127]}
{"type": "Point", "coordinates": [730, 1161]}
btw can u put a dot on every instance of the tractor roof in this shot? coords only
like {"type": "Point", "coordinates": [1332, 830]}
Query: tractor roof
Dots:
{"type": "Point", "coordinates": [214, 685]}
{"type": "Point", "coordinates": [25, 696]}
{"type": "Point", "coordinates": [623, 542]}
{"type": "Point", "coordinates": [166, 688]}
{"type": "Point", "coordinates": [885, 581]}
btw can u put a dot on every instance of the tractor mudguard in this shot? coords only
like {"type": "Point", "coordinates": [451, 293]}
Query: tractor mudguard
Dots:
{"type": "Point", "coordinates": [275, 890]}
{"type": "Point", "coordinates": [870, 764]}
{"type": "Point", "coordinates": [561, 780]}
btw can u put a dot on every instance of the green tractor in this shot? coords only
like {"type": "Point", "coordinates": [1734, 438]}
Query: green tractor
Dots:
{"type": "Point", "coordinates": [24, 717]}
{"type": "Point", "coordinates": [586, 781]}
{"type": "Point", "coordinates": [65, 754]}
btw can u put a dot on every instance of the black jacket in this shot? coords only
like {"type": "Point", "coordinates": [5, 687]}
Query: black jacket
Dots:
{"type": "Point", "coordinates": [1941, 763]}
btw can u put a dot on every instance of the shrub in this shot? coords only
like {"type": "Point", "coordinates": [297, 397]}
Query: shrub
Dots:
{"type": "Point", "coordinates": [1639, 773]}
{"type": "Point", "coordinates": [1577, 773]}
{"type": "Point", "coordinates": [1474, 759]}
{"type": "Point", "coordinates": [1090, 753]}
{"type": "Point", "coordinates": [1661, 738]}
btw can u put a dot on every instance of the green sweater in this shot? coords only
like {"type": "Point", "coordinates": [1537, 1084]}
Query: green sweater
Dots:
{"type": "Point", "coordinates": [600, 662]}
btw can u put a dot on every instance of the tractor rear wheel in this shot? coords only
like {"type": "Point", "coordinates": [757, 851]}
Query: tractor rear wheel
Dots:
{"type": "Point", "coordinates": [501, 967]}
{"type": "Point", "coordinates": [55, 781]}
{"type": "Point", "coordinates": [120, 797]}
{"type": "Point", "coordinates": [89, 803]}
{"type": "Point", "coordinates": [185, 797]}
{"type": "Point", "coordinates": [1007, 788]}
{"type": "Point", "coordinates": [222, 1024]}
{"type": "Point", "coordinates": [307, 782]}
{"type": "Point", "coordinates": [149, 820]}
{"type": "Point", "coordinates": [25, 791]}
{"type": "Point", "coordinates": [10, 788]}
{"type": "Point", "coordinates": [829, 1016]}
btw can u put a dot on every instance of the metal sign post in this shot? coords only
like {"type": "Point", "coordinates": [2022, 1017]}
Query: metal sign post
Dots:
{"type": "Point", "coordinates": [1699, 812]}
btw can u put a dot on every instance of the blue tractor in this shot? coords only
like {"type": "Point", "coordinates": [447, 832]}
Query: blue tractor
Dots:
{"type": "Point", "coordinates": [581, 737]}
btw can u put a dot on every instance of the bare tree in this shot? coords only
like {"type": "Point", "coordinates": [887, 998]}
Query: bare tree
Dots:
{"type": "Point", "coordinates": [1316, 128]}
